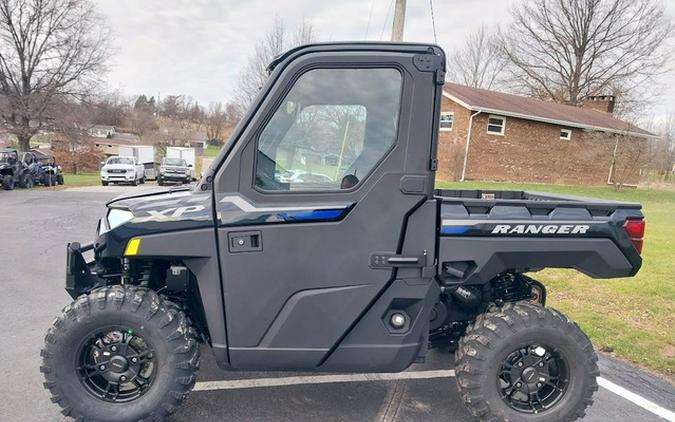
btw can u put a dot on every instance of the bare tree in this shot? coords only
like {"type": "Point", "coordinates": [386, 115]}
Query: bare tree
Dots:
{"type": "Point", "coordinates": [479, 62]}
{"type": "Point", "coordinates": [71, 146]}
{"type": "Point", "coordinates": [142, 121]}
{"type": "Point", "coordinates": [567, 50]}
{"type": "Point", "coordinates": [216, 122]}
{"type": "Point", "coordinates": [275, 42]}
{"type": "Point", "coordinates": [50, 50]}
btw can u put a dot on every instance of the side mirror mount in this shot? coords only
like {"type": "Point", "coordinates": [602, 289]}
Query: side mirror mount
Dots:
{"type": "Point", "coordinates": [189, 165]}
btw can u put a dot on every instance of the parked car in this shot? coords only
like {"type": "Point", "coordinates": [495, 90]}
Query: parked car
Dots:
{"type": "Point", "coordinates": [302, 176]}
{"type": "Point", "coordinates": [35, 173]}
{"type": "Point", "coordinates": [122, 169]}
{"type": "Point", "coordinates": [53, 174]}
{"type": "Point", "coordinates": [174, 170]}
{"type": "Point", "coordinates": [13, 171]}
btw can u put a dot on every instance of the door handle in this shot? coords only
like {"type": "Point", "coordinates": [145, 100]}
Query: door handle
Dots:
{"type": "Point", "coordinates": [403, 260]}
{"type": "Point", "coordinates": [249, 241]}
{"type": "Point", "coordinates": [391, 260]}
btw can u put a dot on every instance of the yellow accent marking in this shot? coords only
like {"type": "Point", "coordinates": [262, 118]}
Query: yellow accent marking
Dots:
{"type": "Point", "coordinates": [132, 247]}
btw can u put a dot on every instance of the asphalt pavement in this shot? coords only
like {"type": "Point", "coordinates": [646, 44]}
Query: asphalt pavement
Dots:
{"type": "Point", "coordinates": [34, 228]}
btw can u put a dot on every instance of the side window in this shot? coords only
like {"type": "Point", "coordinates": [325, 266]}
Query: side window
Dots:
{"type": "Point", "coordinates": [447, 119]}
{"type": "Point", "coordinates": [496, 125]}
{"type": "Point", "coordinates": [330, 131]}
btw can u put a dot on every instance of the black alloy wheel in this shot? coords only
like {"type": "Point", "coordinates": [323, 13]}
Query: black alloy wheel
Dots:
{"type": "Point", "coordinates": [533, 378]}
{"type": "Point", "coordinates": [116, 365]}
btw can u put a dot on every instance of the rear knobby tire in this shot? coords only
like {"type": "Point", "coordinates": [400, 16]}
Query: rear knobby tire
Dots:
{"type": "Point", "coordinates": [8, 182]}
{"type": "Point", "coordinates": [160, 322]}
{"type": "Point", "coordinates": [496, 334]}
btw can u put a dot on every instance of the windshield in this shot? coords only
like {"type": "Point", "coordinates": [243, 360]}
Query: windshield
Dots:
{"type": "Point", "coordinates": [174, 162]}
{"type": "Point", "coordinates": [5, 156]}
{"type": "Point", "coordinates": [120, 160]}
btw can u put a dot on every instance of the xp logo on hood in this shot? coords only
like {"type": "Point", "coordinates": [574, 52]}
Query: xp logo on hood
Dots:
{"type": "Point", "coordinates": [169, 214]}
{"type": "Point", "coordinates": [540, 229]}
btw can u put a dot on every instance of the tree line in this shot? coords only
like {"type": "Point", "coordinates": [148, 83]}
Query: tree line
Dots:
{"type": "Point", "coordinates": [54, 54]}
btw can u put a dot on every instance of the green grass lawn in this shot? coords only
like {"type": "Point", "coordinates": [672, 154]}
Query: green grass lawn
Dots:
{"type": "Point", "coordinates": [211, 151]}
{"type": "Point", "coordinates": [87, 179]}
{"type": "Point", "coordinates": [631, 317]}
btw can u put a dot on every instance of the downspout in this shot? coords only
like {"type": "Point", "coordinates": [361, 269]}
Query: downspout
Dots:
{"type": "Point", "coordinates": [610, 176]}
{"type": "Point", "coordinates": [466, 147]}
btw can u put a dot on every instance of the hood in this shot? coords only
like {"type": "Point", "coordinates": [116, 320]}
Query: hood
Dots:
{"type": "Point", "coordinates": [174, 167]}
{"type": "Point", "coordinates": [156, 211]}
{"type": "Point", "coordinates": [163, 210]}
{"type": "Point", "coordinates": [117, 167]}
{"type": "Point", "coordinates": [123, 201]}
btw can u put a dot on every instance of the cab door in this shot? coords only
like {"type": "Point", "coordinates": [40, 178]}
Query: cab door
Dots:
{"type": "Point", "coordinates": [314, 201]}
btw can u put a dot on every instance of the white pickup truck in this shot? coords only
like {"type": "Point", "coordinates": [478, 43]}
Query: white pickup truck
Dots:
{"type": "Point", "coordinates": [122, 169]}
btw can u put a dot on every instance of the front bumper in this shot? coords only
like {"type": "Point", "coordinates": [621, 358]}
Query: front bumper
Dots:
{"type": "Point", "coordinates": [117, 177]}
{"type": "Point", "coordinates": [175, 177]}
{"type": "Point", "coordinates": [79, 273]}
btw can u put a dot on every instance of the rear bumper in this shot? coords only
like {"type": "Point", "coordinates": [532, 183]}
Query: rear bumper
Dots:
{"type": "Point", "coordinates": [79, 275]}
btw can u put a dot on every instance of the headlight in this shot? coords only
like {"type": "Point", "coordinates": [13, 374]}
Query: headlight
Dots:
{"type": "Point", "coordinates": [116, 217]}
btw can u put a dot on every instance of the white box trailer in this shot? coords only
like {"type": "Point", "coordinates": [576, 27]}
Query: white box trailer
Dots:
{"type": "Point", "coordinates": [145, 154]}
{"type": "Point", "coordinates": [186, 153]}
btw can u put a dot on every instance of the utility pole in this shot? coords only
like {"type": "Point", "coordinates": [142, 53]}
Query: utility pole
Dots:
{"type": "Point", "coordinates": [399, 21]}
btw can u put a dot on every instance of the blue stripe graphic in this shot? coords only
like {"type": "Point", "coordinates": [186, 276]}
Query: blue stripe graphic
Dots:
{"type": "Point", "coordinates": [320, 215]}
{"type": "Point", "coordinates": [455, 229]}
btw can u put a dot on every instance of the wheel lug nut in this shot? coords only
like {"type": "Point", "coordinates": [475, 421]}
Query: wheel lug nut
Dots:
{"type": "Point", "coordinates": [134, 360]}
{"type": "Point", "coordinates": [539, 384]}
{"type": "Point", "coordinates": [541, 364]}
{"type": "Point", "coordinates": [113, 348]}
{"type": "Point", "coordinates": [520, 364]}
{"type": "Point", "coordinates": [102, 367]}
{"type": "Point", "coordinates": [519, 385]}
{"type": "Point", "coordinates": [123, 378]}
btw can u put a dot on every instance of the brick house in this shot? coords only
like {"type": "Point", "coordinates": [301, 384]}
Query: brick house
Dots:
{"type": "Point", "coordinates": [488, 135]}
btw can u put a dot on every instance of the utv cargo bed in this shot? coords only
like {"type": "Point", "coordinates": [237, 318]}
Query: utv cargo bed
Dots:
{"type": "Point", "coordinates": [590, 234]}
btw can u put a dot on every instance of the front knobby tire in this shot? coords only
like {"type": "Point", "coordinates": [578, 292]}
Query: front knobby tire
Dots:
{"type": "Point", "coordinates": [507, 351]}
{"type": "Point", "coordinates": [160, 342]}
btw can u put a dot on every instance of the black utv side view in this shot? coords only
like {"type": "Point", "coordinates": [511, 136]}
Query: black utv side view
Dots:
{"type": "Point", "coordinates": [13, 171]}
{"type": "Point", "coordinates": [363, 268]}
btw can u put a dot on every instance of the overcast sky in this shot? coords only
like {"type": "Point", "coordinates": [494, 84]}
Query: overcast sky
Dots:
{"type": "Point", "coordinates": [199, 47]}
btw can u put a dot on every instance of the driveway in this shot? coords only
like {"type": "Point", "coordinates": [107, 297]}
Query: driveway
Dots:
{"type": "Point", "coordinates": [37, 224]}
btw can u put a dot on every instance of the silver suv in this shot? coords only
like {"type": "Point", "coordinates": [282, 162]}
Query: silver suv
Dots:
{"type": "Point", "coordinates": [174, 170]}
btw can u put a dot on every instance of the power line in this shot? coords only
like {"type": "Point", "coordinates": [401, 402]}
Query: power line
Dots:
{"type": "Point", "coordinates": [433, 21]}
{"type": "Point", "coordinates": [386, 19]}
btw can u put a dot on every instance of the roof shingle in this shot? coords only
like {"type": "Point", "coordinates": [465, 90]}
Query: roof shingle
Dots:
{"type": "Point", "coordinates": [538, 110]}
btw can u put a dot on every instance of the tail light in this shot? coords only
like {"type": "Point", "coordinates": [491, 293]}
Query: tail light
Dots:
{"type": "Point", "coordinates": [635, 228]}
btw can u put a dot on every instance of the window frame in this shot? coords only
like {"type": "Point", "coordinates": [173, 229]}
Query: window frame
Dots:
{"type": "Point", "coordinates": [280, 100]}
{"type": "Point", "coordinates": [496, 116]}
{"type": "Point", "coordinates": [440, 120]}
{"type": "Point", "coordinates": [569, 134]}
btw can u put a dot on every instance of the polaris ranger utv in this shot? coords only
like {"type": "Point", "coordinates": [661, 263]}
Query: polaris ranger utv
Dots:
{"type": "Point", "coordinates": [363, 272]}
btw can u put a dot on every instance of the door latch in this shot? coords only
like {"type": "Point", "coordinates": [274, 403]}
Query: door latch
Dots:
{"type": "Point", "coordinates": [391, 260]}
{"type": "Point", "coordinates": [244, 241]}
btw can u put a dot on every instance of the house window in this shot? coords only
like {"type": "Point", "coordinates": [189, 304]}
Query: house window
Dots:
{"type": "Point", "coordinates": [565, 134]}
{"type": "Point", "coordinates": [496, 125]}
{"type": "Point", "coordinates": [447, 119]}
